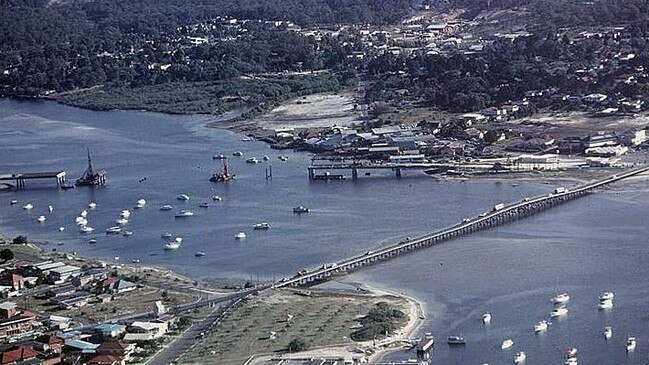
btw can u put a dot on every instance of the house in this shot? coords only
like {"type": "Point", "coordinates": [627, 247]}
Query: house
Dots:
{"type": "Point", "coordinates": [48, 343]}
{"type": "Point", "coordinates": [105, 360]}
{"type": "Point", "coordinates": [112, 330]}
{"type": "Point", "coordinates": [76, 300]}
{"type": "Point", "coordinates": [41, 269]}
{"type": "Point", "coordinates": [79, 346]}
{"type": "Point", "coordinates": [607, 151]}
{"type": "Point", "coordinates": [116, 348]}
{"type": "Point", "coordinates": [145, 331]}
{"type": "Point", "coordinates": [63, 273]}
{"type": "Point", "coordinates": [15, 281]}
{"type": "Point", "coordinates": [116, 286]}
{"type": "Point", "coordinates": [159, 308]}
{"type": "Point", "coordinates": [17, 354]}
{"type": "Point", "coordinates": [58, 322]}
{"type": "Point", "coordinates": [13, 323]}
{"type": "Point", "coordinates": [600, 140]}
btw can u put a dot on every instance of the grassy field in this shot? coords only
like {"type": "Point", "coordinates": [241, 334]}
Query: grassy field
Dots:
{"type": "Point", "coordinates": [319, 319]}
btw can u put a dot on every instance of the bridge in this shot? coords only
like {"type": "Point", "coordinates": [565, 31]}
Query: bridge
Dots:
{"type": "Point", "coordinates": [500, 215]}
{"type": "Point", "coordinates": [20, 179]}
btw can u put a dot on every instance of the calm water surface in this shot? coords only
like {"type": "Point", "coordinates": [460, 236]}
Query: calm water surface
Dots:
{"type": "Point", "coordinates": [594, 244]}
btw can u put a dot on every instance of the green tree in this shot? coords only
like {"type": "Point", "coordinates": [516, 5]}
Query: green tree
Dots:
{"type": "Point", "coordinates": [297, 345]}
{"type": "Point", "coordinates": [6, 255]}
{"type": "Point", "coordinates": [20, 240]}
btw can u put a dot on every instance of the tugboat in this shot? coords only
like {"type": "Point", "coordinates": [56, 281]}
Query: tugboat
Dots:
{"type": "Point", "coordinates": [224, 175]}
{"type": "Point", "coordinates": [90, 177]}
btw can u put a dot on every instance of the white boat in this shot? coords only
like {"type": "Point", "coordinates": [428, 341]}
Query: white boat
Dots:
{"type": "Point", "coordinates": [240, 236]}
{"type": "Point", "coordinates": [141, 203]}
{"type": "Point", "coordinates": [121, 221]}
{"type": "Point", "coordinates": [41, 218]}
{"type": "Point", "coordinates": [283, 158]}
{"type": "Point", "coordinates": [300, 209]}
{"type": "Point", "coordinates": [166, 207]}
{"type": "Point", "coordinates": [13, 202]}
{"type": "Point", "coordinates": [571, 361]}
{"type": "Point", "coordinates": [204, 205]}
{"type": "Point", "coordinates": [252, 160]}
{"type": "Point", "coordinates": [61, 229]}
{"type": "Point", "coordinates": [171, 246]}
{"type": "Point", "coordinates": [84, 213]}
{"type": "Point", "coordinates": [605, 304]}
{"type": "Point", "coordinates": [125, 213]}
{"type": "Point", "coordinates": [261, 226]}
{"type": "Point", "coordinates": [86, 229]}
{"type": "Point", "coordinates": [79, 219]}
{"type": "Point", "coordinates": [486, 318]}
{"type": "Point", "coordinates": [178, 240]}
{"type": "Point", "coordinates": [128, 233]}
{"type": "Point", "coordinates": [630, 344]}
{"type": "Point", "coordinates": [113, 230]}
{"type": "Point", "coordinates": [218, 157]}
{"type": "Point", "coordinates": [92, 241]}
{"type": "Point", "coordinates": [183, 197]}
{"type": "Point", "coordinates": [166, 235]}
{"type": "Point", "coordinates": [199, 254]}
{"type": "Point", "coordinates": [558, 312]}
{"type": "Point", "coordinates": [217, 198]}
{"type": "Point", "coordinates": [561, 298]}
{"type": "Point", "coordinates": [608, 332]}
{"type": "Point", "coordinates": [541, 326]}
{"type": "Point", "coordinates": [507, 344]}
{"type": "Point", "coordinates": [265, 158]}
{"type": "Point", "coordinates": [571, 353]}
{"type": "Point", "coordinates": [28, 206]}
{"type": "Point", "coordinates": [82, 222]}
{"type": "Point", "coordinates": [50, 208]}
{"type": "Point", "coordinates": [519, 358]}
{"type": "Point", "coordinates": [607, 296]}
{"type": "Point", "coordinates": [183, 213]}
{"type": "Point", "coordinates": [238, 154]}
{"type": "Point", "coordinates": [92, 205]}
{"type": "Point", "coordinates": [246, 139]}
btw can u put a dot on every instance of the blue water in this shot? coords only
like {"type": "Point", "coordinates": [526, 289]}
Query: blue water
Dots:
{"type": "Point", "coordinates": [594, 244]}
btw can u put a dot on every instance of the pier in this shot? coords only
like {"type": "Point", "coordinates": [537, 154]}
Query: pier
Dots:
{"type": "Point", "coordinates": [501, 214]}
{"type": "Point", "coordinates": [20, 179]}
{"type": "Point", "coordinates": [366, 166]}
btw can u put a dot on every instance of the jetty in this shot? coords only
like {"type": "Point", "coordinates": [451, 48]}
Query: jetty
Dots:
{"type": "Point", "coordinates": [20, 179]}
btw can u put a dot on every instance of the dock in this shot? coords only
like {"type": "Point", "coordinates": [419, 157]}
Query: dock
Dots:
{"type": "Point", "coordinates": [20, 179]}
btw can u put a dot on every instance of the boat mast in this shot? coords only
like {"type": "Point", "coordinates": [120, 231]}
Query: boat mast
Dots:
{"type": "Point", "coordinates": [226, 173]}
{"type": "Point", "coordinates": [89, 173]}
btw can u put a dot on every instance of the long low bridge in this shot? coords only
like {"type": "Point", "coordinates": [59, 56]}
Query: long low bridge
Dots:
{"type": "Point", "coordinates": [500, 215]}
{"type": "Point", "coordinates": [20, 179]}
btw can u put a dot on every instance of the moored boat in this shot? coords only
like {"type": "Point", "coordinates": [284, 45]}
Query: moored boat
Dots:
{"type": "Point", "coordinates": [507, 344]}
{"type": "Point", "coordinates": [608, 332]}
{"type": "Point", "coordinates": [571, 352]}
{"type": "Point", "coordinates": [561, 298]}
{"type": "Point", "coordinates": [486, 318]}
{"type": "Point", "coordinates": [171, 246]}
{"type": "Point", "coordinates": [204, 205]}
{"type": "Point", "coordinates": [261, 226]}
{"type": "Point", "coordinates": [125, 213]}
{"type": "Point", "coordinates": [183, 213]}
{"type": "Point", "coordinates": [541, 326]}
{"type": "Point", "coordinates": [240, 235]}
{"type": "Point", "coordinates": [166, 207]}
{"type": "Point", "coordinates": [558, 312]}
{"type": "Point", "coordinates": [456, 340]}
{"type": "Point", "coordinates": [113, 230]}
{"type": "Point", "coordinates": [252, 160]}
{"type": "Point", "coordinates": [141, 203]}
{"type": "Point", "coordinates": [217, 198]}
{"type": "Point", "coordinates": [183, 197]}
{"type": "Point", "coordinates": [165, 235]}
{"type": "Point", "coordinates": [92, 205]}
{"type": "Point", "coordinates": [199, 254]}
{"type": "Point", "coordinates": [86, 229]}
{"type": "Point", "coordinates": [520, 357]}
{"type": "Point", "coordinates": [630, 344]}
{"type": "Point", "coordinates": [128, 233]}
{"type": "Point", "coordinates": [218, 157]}
{"type": "Point", "coordinates": [300, 209]}
{"type": "Point", "coordinates": [607, 296]}
{"type": "Point", "coordinates": [41, 218]}
{"type": "Point", "coordinates": [605, 304]}
{"type": "Point", "coordinates": [121, 221]}
{"type": "Point", "coordinates": [28, 206]}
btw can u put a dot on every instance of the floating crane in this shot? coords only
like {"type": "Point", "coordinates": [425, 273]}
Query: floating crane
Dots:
{"type": "Point", "coordinates": [224, 175]}
{"type": "Point", "coordinates": [90, 177]}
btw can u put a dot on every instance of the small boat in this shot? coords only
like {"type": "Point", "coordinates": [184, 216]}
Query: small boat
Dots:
{"type": "Point", "coordinates": [608, 332]}
{"type": "Point", "coordinates": [13, 202]}
{"type": "Point", "coordinates": [141, 203]}
{"type": "Point", "coordinates": [240, 236]}
{"type": "Point", "coordinates": [558, 312]}
{"type": "Point", "coordinates": [82, 221]}
{"type": "Point", "coordinates": [171, 246]}
{"type": "Point", "coordinates": [199, 254]}
{"type": "Point", "coordinates": [265, 158]}
{"type": "Point", "coordinates": [561, 298]}
{"type": "Point", "coordinates": [121, 221]}
{"type": "Point", "coordinates": [300, 209]}
{"type": "Point", "coordinates": [183, 197]}
{"type": "Point", "coordinates": [252, 160]}
{"type": "Point", "coordinates": [83, 214]}
{"type": "Point", "coordinates": [86, 229]}
{"type": "Point", "coordinates": [204, 205]}
{"type": "Point", "coordinates": [507, 344]}
{"type": "Point", "coordinates": [541, 326]}
{"type": "Point", "coordinates": [125, 213]}
{"type": "Point", "coordinates": [571, 353]}
{"type": "Point", "coordinates": [520, 357]}
{"type": "Point", "coordinates": [113, 230]}
{"type": "Point", "coordinates": [283, 158]}
{"type": "Point", "coordinates": [630, 344]}
{"type": "Point", "coordinates": [166, 207]}
{"type": "Point", "coordinates": [28, 206]}
{"type": "Point", "coordinates": [41, 218]}
{"type": "Point", "coordinates": [184, 213]}
{"type": "Point", "coordinates": [92, 205]}
{"type": "Point", "coordinates": [261, 226]}
{"type": "Point", "coordinates": [607, 296]}
{"type": "Point", "coordinates": [246, 139]}
{"type": "Point", "coordinates": [165, 235]}
{"type": "Point", "coordinates": [92, 241]}
{"type": "Point", "coordinates": [67, 186]}
{"type": "Point", "coordinates": [455, 340]}
{"type": "Point", "coordinates": [61, 229]}
{"type": "Point", "coordinates": [605, 304]}
{"type": "Point", "coordinates": [571, 361]}
{"type": "Point", "coordinates": [128, 233]}
{"type": "Point", "coordinates": [178, 240]}
{"type": "Point", "coordinates": [50, 208]}
{"type": "Point", "coordinates": [79, 219]}
{"type": "Point", "coordinates": [217, 198]}
{"type": "Point", "coordinates": [238, 154]}
{"type": "Point", "coordinates": [486, 318]}
{"type": "Point", "coordinates": [218, 157]}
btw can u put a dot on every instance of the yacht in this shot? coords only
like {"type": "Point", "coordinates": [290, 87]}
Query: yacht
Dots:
{"type": "Point", "coordinates": [265, 158]}
{"type": "Point", "coordinates": [28, 206]}
{"type": "Point", "coordinates": [50, 208]}
{"type": "Point", "coordinates": [486, 318]}
{"type": "Point", "coordinates": [283, 158]}
{"type": "Point", "coordinates": [171, 246]}
{"type": "Point", "coordinates": [140, 203]}
{"type": "Point", "coordinates": [61, 229]}
{"type": "Point", "coordinates": [82, 221]}
{"type": "Point", "coordinates": [558, 312]}
{"type": "Point", "coordinates": [166, 207]}
{"type": "Point", "coordinates": [217, 198]}
{"type": "Point", "coordinates": [121, 221]}
{"type": "Point", "coordinates": [455, 340]}
{"type": "Point", "coordinates": [125, 213]}
{"type": "Point", "coordinates": [571, 361]}
{"type": "Point", "coordinates": [128, 233]}
{"type": "Point", "coordinates": [240, 236]}
{"type": "Point", "coordinates": [300, 209]}
{"type": "Point", "coordinates": [86, 229]}
{"type": "Point", "coordinates": [630, 344]}
{"type": "Point", "coordinates": [608, 332]}
{"type": "Point", "coordinates": [92, 205]}
{"type": "Point", "coordinates": [199, 254]}
{"type": "Point", "coordinates": [183, 197]}
{"type": "Point", "coordinates": [519, 358]}
{"type": "Point", "coordinates": [561, 298]}
{"type": "Point", "coordinates": [13, 202]}
{"type": "Point", "coordinates": [605, 304]}
{"type": "Point", "coordinates": [218, 157]}
{"type": "Point", "coordinates": [261, 226]}
{"type": "Point", "coordinates": [507, 344]}
{"type": "Point", "coordinates": [607, 296]}
{"type": "Point", "coordinates": [238, 154]}
{"type": "Point", "coordinates": [165, 235]}
{"type": "Point", "coordinates": [571, 353]}
{"type": "Point", "coordinates": [541, 326]}
{"type": "Point", "coordinates": [41, 218]}
{"type": "Point", "coordinates": [83, 214]}
{"type": "Point", "coordinates": [178, 240]}
{"type": "Point", "coordinates": [184, 213]}
{"type": "Point", "coordinates": [92, 241]}
{"type": "Point", "coordinates": [114, 230]}
{"type": "Point", "coordinates": [252, 160]}
{"type": "Point", "coordinates": [204, 205]}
